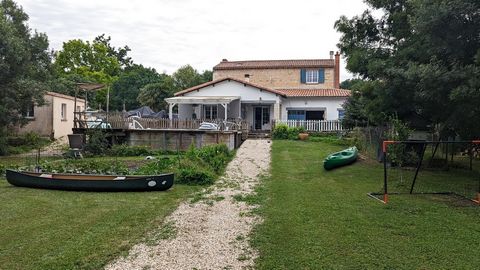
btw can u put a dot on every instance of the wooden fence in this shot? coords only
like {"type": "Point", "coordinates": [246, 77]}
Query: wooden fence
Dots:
{"type": "Point", "coordinates": [313, 125]}
{"type": "Point", "coordinates": [119, 121]}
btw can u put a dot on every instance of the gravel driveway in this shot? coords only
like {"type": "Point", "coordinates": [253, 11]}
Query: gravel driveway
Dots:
{"type": "Point", "coordinates": [211, 231]}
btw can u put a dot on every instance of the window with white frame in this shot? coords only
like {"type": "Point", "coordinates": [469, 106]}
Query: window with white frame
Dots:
{"type": "Point", "coordinates": [312, 76]}
{"type": "Point", "coordinates": [210, 111]}
{"type": "Point", "coordinates": [64, 111]}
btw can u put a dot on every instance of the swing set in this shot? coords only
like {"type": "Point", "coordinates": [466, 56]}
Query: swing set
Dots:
{"type": "Point", "coordinates": [421, 147]}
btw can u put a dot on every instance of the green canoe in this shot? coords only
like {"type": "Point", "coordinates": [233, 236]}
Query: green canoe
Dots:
{"type": "Point", "coordinates": [341, 158]}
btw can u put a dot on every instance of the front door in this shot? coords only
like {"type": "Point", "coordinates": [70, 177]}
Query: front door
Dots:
{"type": "Point", "coordinates": [261, 117]}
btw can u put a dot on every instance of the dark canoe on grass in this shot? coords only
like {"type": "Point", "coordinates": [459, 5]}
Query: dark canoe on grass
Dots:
{"type": "Point", "coordinates": [85, 182]}
{"type": "Point", "coordinates": [341, 158]}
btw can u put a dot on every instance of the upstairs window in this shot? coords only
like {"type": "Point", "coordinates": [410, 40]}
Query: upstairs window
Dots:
{"type": "Point", "coordinates": [312, 76]}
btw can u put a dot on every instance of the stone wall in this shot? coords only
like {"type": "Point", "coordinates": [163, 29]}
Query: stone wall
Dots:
{"type": "Point", "coordinates": [173, 140]}
{"type": "Point", "coordinates": [275, 78]}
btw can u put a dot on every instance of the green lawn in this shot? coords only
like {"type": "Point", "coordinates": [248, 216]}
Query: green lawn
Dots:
{"type": "Point", "coordinates": [46, 229]}
{"type": "Point", "coordinates": [315, 219]}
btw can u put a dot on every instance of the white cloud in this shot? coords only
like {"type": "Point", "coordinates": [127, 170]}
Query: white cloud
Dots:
{"type": "Point", "coordinates": [168, 34]}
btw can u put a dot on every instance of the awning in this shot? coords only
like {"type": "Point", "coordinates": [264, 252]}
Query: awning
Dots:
{"type": "Point", "coordinates": [201, 100]}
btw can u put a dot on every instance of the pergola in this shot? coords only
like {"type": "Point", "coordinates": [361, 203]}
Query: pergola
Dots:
{"type": "Point", "coordinates": [222, 100]}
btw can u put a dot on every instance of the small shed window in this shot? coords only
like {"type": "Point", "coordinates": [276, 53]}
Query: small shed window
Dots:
{"type": "Point", "coordinates": [30, 113]}
{"type": "Point", "coordinates": [64, 111]}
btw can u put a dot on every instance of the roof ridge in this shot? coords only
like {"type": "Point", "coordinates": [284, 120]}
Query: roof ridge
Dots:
{"type": "Point", "coordinates": [200, 86]}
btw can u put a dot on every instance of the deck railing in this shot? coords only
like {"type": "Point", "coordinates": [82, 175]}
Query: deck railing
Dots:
{"type": "Point", "coordinates": [121, 121]}
{"type": "Point", "coordinates": [313, 125]}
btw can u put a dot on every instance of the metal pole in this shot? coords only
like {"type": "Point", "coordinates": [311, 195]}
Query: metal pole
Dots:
{"type": "Point", "coordinates": [75, 108]}
{"type": "Point", "coordinates": [419, 164]}
{"type": "Point", "coordinates": [108, 101]}
{"type": "Point", "coordinates": [385, 190]}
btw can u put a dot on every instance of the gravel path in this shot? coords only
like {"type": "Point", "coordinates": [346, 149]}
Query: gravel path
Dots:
{"type": "Point", "coordinates": [211, 233]}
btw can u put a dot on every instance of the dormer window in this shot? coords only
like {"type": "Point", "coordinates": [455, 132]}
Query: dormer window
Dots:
{"type": "Point", "coordinates": [312, 76]}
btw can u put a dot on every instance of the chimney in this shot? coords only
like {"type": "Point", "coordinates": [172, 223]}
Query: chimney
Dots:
{"type": "Point", "coordinates": [224, 60]}
{"type": "Point", "coordinates": [331, 55]}
{"type": "Point", "coordinates": [336, 72]}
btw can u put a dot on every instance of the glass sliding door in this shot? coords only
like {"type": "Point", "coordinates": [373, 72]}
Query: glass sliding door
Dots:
{"type": "Point", "coordinates": [261, 117]}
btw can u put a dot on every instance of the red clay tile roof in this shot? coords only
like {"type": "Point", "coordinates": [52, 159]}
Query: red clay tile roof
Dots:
{"type": "Point", "coordinates": [197, 87]}
{"type": "Point", "coordinates": [266, 64]}
{"type": "Point", "coordinates": [332, 92]}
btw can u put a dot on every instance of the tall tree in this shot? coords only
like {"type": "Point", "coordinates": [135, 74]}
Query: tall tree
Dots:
{"type": "Point", "coordinates": [423, 57]}
{"type": "Point", "coordinates": [127, 88]}
{"type": "Point", "coordinates": [120, 53]}
{"type": "Point", "coordinates": [154, 94]}
{"type": "Point", "coordinates": [24, 66]}
{"type": "Point", "coordinates": [186, 77]}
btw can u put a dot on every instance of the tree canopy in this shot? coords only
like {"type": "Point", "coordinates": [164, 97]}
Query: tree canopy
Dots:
{"type": "Point", "coordinates": [420, 60]}
{"type": "Point", "coordinates": [24, 66]}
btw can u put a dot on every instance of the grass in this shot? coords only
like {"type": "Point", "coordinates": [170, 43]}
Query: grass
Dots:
{"type": "Point", "coordinates": [47, 229]}
{"type": "Point", "coordinates": [315, 219]}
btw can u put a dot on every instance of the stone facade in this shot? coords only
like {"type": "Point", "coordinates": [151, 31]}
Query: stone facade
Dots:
{"type": "Point", "coordinates": [276, 78]}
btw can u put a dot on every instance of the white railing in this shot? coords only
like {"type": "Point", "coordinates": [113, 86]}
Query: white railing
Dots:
{"type": "Point", "coordinates": [313, 125]}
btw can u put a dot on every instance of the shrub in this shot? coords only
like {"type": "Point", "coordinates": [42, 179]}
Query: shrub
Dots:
{"type": "Point", "coordinates": [97, 143]}
{"type": "Point", "coordinates": [283, 132]}
{"type": "Point", "coordinates": [156, 166]}
{"type": "Point", "coordinates": [294, 131]}
{"type": "Point", "coordinates": [86, 166]}
{"type": "Point", "coordinates": [192, 174]}
{"type": "Point", "coordinates": [123, 150]}
{"type": "Point", "coordinates": [280, 132]}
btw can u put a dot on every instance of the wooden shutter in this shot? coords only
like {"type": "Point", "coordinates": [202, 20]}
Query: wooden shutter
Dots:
{"type": "Point", "coordinates": [321, 75]}
{"type": "Point", "coordinates": [303, 76]}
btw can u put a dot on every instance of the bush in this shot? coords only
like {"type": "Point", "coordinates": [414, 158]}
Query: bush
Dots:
{"type": "Point", "coordinates": [283, 132]}
{"type": "Point", "coordinates": [123, 150]}
{"type": "Point", "coordinates": [97, 143]}
{"type": "Point", "coordinates": [280, 132]}
{"type": "Point", "coordinates": [215, 156]}
{"type": "Point", "coordinates": [191, 174]}
{"type": "Point", "coordinates": [85, 166]}
{"type": "Point", "coordinates": [157, 166]}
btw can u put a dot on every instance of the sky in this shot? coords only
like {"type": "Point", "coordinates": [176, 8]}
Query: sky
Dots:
{"type": "Point", "coordinates": [168, 34]}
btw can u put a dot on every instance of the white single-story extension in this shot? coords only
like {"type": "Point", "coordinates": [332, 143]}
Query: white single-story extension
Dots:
{"type": "Point", "coordinates": [234, 99]}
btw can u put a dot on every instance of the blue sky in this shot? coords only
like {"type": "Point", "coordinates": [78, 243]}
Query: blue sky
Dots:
{"type": "Point", "coordinates": [168, 34]}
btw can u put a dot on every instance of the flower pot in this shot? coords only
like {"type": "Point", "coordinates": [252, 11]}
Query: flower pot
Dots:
{"type": "Point", "coordinates": [303, 136]}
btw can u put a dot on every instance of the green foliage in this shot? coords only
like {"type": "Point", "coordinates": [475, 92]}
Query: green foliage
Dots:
{"type": "Point", "coordinates": [191, 173]}
{"type": "Point", "coordinates": [186, 77]}
{"type": "Point", "coordinates": [154, 94]}
{"type": "Point", "coordinates": [123, 150]}
{"type": "Point", "coordinates": [398, 131]}
{"type": "Point", "coordinates": [97, 143]}
{"type": "Point", "coordinates": [126, 89]}
{"type": "Point", "coordinates": [283, 132]}
{"type": "Point", "coordinates": [280, 132]}
{"type": "Point", "coordinates": [157, 166]}
{"type": "Point", "coordinates": [25, 64]}
{"type": "Point", "coordinates": [196, 167]}
{"type": "Point", "coordinates": [86, 166]}
{"type": "Point", "coordinates": [421, 60]}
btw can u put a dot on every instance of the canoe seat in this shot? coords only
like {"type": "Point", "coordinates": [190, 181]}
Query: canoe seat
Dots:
{"type": "Point", "coordinates": [46, 175]}
{"type": "Point", "coordinates": [119, 178]}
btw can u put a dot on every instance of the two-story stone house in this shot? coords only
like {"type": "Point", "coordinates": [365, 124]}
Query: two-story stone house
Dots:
{"type": "Point", "coordinates": [264, 90]}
